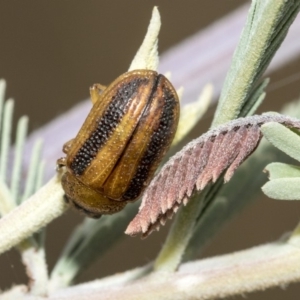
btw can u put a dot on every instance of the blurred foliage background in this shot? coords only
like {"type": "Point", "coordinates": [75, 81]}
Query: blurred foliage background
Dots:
{"type": "Point", "coordinates": [52, 51]}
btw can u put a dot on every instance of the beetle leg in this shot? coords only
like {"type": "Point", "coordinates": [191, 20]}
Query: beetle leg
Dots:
{"type": "Point", "coordinates": [66, 199]}
{"type": "Point", "coordinates": [61, 162]}
{"type": "Point", "coordinates": [67, 146]}
{"type": "Point", "coordinates": [96, 90]}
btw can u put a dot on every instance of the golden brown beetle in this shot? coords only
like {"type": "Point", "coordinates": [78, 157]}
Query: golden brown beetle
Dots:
{"type": "Point", "coordinates": [122, 141]}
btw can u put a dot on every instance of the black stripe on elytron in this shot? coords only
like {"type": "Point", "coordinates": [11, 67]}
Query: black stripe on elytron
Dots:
{"type": "Point", "coordinates": [106, 125]}
{"type": "Point", "coordinates": [156, 145]}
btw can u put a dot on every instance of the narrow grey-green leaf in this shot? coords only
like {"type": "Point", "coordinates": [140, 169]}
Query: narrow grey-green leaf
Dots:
{"type": "Point", "coordinates": [283, 189]}
{"type": "Point", "coordinates": [281, 170]}
{"type": "Point", "coordinates": [255, 99]}
{"type": "Point", "coordinates": [267, 24]}
{"type": "Point", "coordinates": [282, 138]}
{"type": "Point", "coordinates": [86, 244]}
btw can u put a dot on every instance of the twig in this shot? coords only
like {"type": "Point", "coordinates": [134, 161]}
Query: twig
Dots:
{"type": "Point", "coordinates": [33, 214]}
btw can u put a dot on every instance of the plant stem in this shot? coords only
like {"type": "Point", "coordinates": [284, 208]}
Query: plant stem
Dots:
{"type": "Point", "coordinates": [182, 229]}
{"type": "Point", "coordinates": [33, 214]}
{"type": "Point", "coordinates": [254, 269]}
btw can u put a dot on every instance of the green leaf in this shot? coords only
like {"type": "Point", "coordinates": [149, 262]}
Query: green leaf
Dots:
{"type": "Point", "coordinates": [192, 112]}
{"type": "Point", "coordinates": [283, 189]}
{"type": "Point", "coordinates": [255, 99]}
{"type": "Point", "coordinates": [86, 244]}
{"type": "Point", "coordinates": [280, 170]}
{"type": "Point", "coordinates": [267, 24]}
{"type": "Point", "coordinates": [282, 138]}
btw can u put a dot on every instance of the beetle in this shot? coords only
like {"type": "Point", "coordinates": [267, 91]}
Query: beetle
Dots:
{"type": "Point", "coordinates": [121, 143]}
